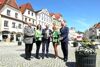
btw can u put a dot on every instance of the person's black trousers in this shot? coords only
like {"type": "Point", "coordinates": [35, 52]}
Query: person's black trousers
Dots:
{"type": "Point", "coordinates": [64, 46]}
{"type": "Point", "coordinates": [38, 44]}
{"type": "Point", "coordinates": [28, 49]}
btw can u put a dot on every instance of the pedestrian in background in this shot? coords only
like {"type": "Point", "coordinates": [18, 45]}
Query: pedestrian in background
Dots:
{"type": "Point", "coordinates": [28, 39]}
{"type": "Point", "coordinates": [55, 39]}
{"type": "Point", "coordinates": [45, 41]}
{"type": "Point", "coordinates": [64, 40]}
{"type": "Point", "coordinates": [38, 39]}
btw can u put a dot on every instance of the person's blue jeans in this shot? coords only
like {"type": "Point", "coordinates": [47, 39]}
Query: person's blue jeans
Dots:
{"type": "Point", "coordinates": [45, 46]}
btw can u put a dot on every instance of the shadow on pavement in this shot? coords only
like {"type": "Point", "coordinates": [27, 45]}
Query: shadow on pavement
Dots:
{"type": "Point", "coordinates": [49, 55]}
{"type": "Point", "coordinates": [70, 64]}
{"type": "Point", "coordinates": [22, 55]}
{"type": "Point", "coordinates": [40, 54]}
{"type": "Point", "coordinates": [60, 58]}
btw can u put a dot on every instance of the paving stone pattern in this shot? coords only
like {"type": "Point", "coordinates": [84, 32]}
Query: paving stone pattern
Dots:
{"type": "Point", "coordinates": [12, 55]}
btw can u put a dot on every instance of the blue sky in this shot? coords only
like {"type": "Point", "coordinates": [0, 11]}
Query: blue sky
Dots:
{"type": "Point", "coordinates": [80, 14]}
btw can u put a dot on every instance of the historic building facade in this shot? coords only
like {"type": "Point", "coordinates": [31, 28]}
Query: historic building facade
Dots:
{"type": "Point", "coordinates": [43, 18]}
{"type": "Point", "coordinates": [28, 14]}
{"type": "Point", "coordinates": [11, 20]}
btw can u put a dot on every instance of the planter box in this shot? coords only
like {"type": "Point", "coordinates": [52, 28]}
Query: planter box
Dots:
{"type": "Point", "coordinates": [85, 61]}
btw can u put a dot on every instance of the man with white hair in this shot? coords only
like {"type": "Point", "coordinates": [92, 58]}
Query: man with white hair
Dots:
{"type": "Point", "coordinates": [64, 40]}
{"type": "Point", "coordinates": [45, 41]}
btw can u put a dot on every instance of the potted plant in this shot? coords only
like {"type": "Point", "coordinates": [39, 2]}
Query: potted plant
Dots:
{"type": "Point", "coordinates": [75, 43]}
{"type": "Point", "coordinates": [85, 55]}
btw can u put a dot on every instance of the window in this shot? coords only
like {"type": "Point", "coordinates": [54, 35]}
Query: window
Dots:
{"type": "Point", "coordinates": [8, 12]}
{"type": "Point", "coordinates": [28, 12]}
{"type": "Point", "coordinates": [29, 19]}
{"type": "Point", "coordinates": [19, 26]}
{"type": "Point", "coordinates": [5, 23]}
{"type": "Point", "coordinates": [42, 16]}
{"type": "Point", "coordinates": [16, 15]}
{"type": "Point", "coordinates": [98, 37]}
{"type": "Point", "coordinates": [13, 25]}
{"type": "Point", "coordinates": [25, 19]}
{"type": "Point", "coordinates": [32, 14]}
{"type": "Point", "coordinates": [33, 21]}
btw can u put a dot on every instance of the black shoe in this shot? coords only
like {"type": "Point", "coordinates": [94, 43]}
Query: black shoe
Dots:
{"type": "Point", "coordinates": [65, 60]}
{"type": "Point", "coordinates": [42, 57]}
{"type": "Point", "coordinates": [37, 57]}
{"type": "Point", "coordinates": [47, 56]}
{"type": "Point", "coordinates": [27, 58]}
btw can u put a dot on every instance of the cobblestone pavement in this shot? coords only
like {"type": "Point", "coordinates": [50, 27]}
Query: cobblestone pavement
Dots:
{"type": "Point", "coordinates": [12, 55]}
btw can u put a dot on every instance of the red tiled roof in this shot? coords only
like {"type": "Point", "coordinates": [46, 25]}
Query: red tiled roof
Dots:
{"type": "Point", "coordinates": [56, 15]}
{"type": "Point", "coordinates": [97, 25]}
{"type": "Point", "coordinates": [11, 3]}
{"type": "Point", "coordinates": [51, 14]}
{"type": "Point", "coordinates": [2, 2]}
{"type": "Point", "coordinates": [25, 6]}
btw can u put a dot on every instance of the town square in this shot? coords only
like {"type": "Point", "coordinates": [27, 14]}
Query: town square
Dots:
{"type": "Point", "coordinates": [59, 33]}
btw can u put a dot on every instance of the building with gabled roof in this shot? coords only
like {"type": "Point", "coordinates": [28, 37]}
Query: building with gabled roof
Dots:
{"type": "Point", "coordinates": [93, 33]}
{"type": "Point", "coordinates": [44, 18]}
{"type": "Point", "coordinates": [11, 20]}
{"type": "Point", "coordinates": [28, 13]}
{"type": "Point", "coordinates": [57, 19]}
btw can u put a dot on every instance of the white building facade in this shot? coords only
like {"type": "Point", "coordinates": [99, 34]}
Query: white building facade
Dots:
{"type": "Point", "coordinates": [28, 14]}
{"type": "Point", "coordinates": [74, 35]}
{"type": "Point", "coordinates": [43, 18]}
{"type": "Point", "coordinates": [11, 21]}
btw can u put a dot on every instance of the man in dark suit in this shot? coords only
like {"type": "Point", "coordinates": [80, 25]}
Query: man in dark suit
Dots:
{"type": "Point", "coordinates": [64, 40]}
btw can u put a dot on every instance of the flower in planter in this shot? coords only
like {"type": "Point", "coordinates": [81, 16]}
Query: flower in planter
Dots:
{"type": "Point", "coordinates": [85, 51]}
{"type": "Point", "coordinates": [85, 55]}
{"type": "Point", "coordinates": [86, 43]}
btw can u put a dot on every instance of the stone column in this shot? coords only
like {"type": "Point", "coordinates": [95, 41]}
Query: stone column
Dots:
{"type": "Point", "coordinates": [14, 38]}
{"type": "Point", "coordinates": [1, 36]}
{"type": "Point", "coordinates": [8, 39]}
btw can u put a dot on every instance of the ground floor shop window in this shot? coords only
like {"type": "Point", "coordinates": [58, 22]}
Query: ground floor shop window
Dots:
{"type": "Point", "coordinates": [17, 37]}
{"type": "Point", "coordinates": [4, 37]}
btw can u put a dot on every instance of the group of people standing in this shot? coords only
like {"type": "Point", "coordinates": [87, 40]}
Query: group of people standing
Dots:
{"type": "Point", "coordinates": [43, 37]}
